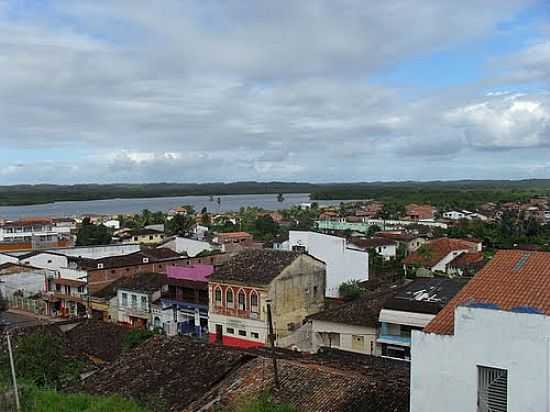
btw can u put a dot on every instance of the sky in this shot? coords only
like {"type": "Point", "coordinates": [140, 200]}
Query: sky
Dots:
{"type": "Point", "coordinates": [313, 90]}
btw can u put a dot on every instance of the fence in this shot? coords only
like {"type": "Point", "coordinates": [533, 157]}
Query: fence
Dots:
{"type": "Point", "coordinates": [35, 306]}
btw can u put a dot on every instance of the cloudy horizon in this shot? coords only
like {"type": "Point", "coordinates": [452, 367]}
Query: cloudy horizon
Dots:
{"type": "Point", "coordinates": [318, 91]}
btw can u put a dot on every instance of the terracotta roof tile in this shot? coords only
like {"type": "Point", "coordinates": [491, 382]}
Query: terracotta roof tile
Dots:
{"type": "Point", "coordinates": [513, 278]}
{"type": "Point", "coordinates": [433, 251]}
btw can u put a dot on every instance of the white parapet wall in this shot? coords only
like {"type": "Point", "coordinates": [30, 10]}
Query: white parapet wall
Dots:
{"type": "Point", "coordinates": [444, 368]}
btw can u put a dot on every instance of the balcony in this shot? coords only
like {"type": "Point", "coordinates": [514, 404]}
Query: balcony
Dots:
{"type": "Point", "coordinates": [395, 340]}
{"type": "Point", "coordinates": [136, 311]}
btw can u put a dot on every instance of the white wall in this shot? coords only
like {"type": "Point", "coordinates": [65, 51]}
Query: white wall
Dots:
{"type": "Point", "coordinates": [343, 264]}
{"type": "Point", "coordinates": [190, 246]}
{"type": "Point", "coordinates": [46, 260]}
{"type": "Point", "coordinates": [442, 264]}
{"type": "Point", "coordinates": [4, 258]}
{"type": "Point", "coordinates": [30, 282]}
{"type": "Point", "coordinates": [346, 334]}
{"type": "Point", "coordinates": [444, 368]}
{"type": "Point", "coordinates": [98, 252]}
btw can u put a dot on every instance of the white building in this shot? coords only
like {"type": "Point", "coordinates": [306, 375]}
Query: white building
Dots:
{"type": "Point", "coordinates": [454, 215]}
{"type": "Point", "coordinates": [39, 231]}
{"type": "Point", "coordinates": [488, 350]}
{"type": "Point", "coordinates": [343, 262]}
{"type": "Point", "coordinates": [383, 247]}
{"type": "Point", "coordinates": [190, 246]}
{"type": "Point", "coordinates": [112, 224]}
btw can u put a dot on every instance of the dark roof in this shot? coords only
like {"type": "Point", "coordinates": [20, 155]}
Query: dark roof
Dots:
{"type": "Point", "coordinates": [255, 266]}
{"type": "Point", "coordinates": [160, 253]}
{"type": "Point", "coordinates": [132, 259]}
{"type": "Point", "coordinates": [165, 373]}
{"type": "Point", "coordinates": [102, 340]}
{"type": "Point", "coordinates": [330, 380]}
{"type": "Point", "coordinates": [144, 282]}
{"type": "Point", "coordinates": [512, 279]}
{"type": "Point", "coordinates": [144, 232]}
{"type": "Point", "coordinates": [425, 295]}
{"type": "Point", "coordinates": [372, 242]}
{"type": "Point", "coordinates": [363, 311]}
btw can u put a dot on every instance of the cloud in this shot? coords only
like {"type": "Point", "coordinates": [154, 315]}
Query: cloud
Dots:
{"type": "Point", "coordinates": [505, 121]}
{"type": "Point", "coordinates": [202, 90]}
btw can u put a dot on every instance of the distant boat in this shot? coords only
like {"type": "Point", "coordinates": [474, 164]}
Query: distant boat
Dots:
{"type": "Point", "coordinates": [280, 197]}
{"type": "Point", "coordinates": [211, 198]}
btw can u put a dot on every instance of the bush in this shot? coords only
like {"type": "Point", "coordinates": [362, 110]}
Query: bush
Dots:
{"type": "Point", "coordinates": [135, 338]}
{"type": "Point", "coordinates": [350, 290]}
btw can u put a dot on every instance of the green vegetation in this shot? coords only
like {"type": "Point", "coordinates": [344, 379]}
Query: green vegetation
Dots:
{"type": "Point", "coordinates": [91, 234]}
{"type": "Point", "coordinates": [467, 194]}
{"type": "Point", "coordinates": [350, 290]}
{"type": "Point", "coordinates": [263, 403]}
{"type": "Point", "coordinates": [39, 358]}
{"type": "Point", "coordinates": [464, 194]}
{"type": "Point", "coordinates": [135, 338]}
{"type": "Point", "coordinates": [512, 230]}
{"type": "Point", "coordinates": [41, 400]}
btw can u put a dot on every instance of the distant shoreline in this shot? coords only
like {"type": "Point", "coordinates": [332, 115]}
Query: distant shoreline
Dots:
{"type": "Point", "coordinates": [433, 191]}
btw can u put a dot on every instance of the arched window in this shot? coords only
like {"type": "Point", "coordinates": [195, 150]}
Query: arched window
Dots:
{"type": "Point", "coordinates": [254, 302]}
{"type": "Point", "coordinates": [218, 296]}
{"type": "Point", "coordinates": [242, 300]}
{"type": "Point", "coordinates": [229, 298]}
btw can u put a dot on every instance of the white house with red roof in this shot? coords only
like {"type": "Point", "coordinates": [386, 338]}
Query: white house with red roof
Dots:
{"type": "Point", "coordinates": [488, 350]}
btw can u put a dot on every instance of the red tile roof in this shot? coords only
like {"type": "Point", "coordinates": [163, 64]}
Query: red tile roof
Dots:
{"type": "Point", "coordinates": [433, 251]}
{"type": "Point", "coordinates": [513, 278]}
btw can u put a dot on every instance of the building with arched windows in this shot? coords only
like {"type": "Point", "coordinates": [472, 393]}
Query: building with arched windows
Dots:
{"type": "Point", "coordinates": [293, 282]}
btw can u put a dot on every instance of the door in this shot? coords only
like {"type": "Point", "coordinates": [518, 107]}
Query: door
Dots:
{"type": "Point", "coordinates": [219, 333]}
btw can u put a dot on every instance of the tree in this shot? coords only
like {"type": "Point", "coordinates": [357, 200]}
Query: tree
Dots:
{"type": "Point", "coordinates": [90, 234]}
{"type": "Point", "coordinates": [350, 290]}
{"type": "Point", "coordinates": [205, 219]}
{"type": "Point", "coordinates": [373, 230]}
{"type": "Point", "coordinates": [180, 225]}
{"type": "Point", "coordinates": [265, 228]}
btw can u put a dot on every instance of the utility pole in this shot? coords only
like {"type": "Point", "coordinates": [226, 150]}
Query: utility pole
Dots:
{"type": "Point", "coordinates": [12, 364]}
{"type": "Point", "coordinates": [272, 342]}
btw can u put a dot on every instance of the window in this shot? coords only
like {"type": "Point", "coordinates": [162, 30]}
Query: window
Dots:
{"type": "Point", "coordinates": [242, 300]}
{"type": "Point", "coordinates": [254, 302]}
{"type": "Point", "coordinates": [151, 238]}
{"type": "Point", "coordinates": [134, 301]}
{"type": "Point", "coordinates": [330, 339]}
{"type": "Point", "coordinates": [230, 331]}
{"type": "Point", "coordinates": [218, 296]}
{"type": "Point", "coordinates": [229, 298]}
{"type": "Point", "coordinates": [358, 342]}
{"type": "Point", "coordinates": [492, 395]}
{"type": "Point", "coordinates": [242, 333]}
{"type": "Point", "coordinates": [315, 289]}
{"type": "Point", "coordinates": [124, 299]}
{"type": "Point", "coordinates": [255, 335]}
{"type": "Point", "coordinates": [144, 302]}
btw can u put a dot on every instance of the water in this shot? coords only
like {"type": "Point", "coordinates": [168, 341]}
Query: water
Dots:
{"type": "Point", "coordinates": [123, 206]}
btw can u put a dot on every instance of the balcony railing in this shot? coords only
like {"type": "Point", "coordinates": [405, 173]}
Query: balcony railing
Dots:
{"type": "Point", "coordinates": [395, 340]}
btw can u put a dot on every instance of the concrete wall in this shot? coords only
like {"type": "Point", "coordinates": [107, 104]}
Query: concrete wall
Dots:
{"type": "Point", "coordinates": [190, 246]}
{"type": "Point", "coordinates": [7, 259]}
{"type": "Point", "coordinates": [46, 261]}
{"type": "Point", "coordinates": [343, 264]}
{"type": "Point", "coordinates": [98, 252]}
{"type": "Point", "coordinates": [366, 345]}
{"type": "Point", "coordinates": [30, 282]}
{"type": "Point", "coordinates": [444, 371]}
{"type": "Point", "coordinates": [297, 293]}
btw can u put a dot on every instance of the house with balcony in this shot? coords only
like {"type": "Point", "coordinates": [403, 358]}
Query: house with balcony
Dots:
{"type": "Point", "coordinates": [183, 305]}
{"type": "Point", "coordinates": [293, 283]}
{"type": "Point", "coordinates": [32, 233]}
{"type": "Point", "coordinates": [135, 296]}
{"type": "Point", "coordinates": [66, 297]}
{"type": "Point", "coordinates": [412, 308]}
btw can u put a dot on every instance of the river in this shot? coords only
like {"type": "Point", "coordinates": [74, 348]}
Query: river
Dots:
{"type": "Point", "coordinates": [123, 206]}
